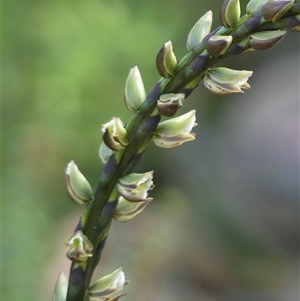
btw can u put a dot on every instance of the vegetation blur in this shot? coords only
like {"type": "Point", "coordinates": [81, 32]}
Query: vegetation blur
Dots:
{"type": "Point", "coordinates": [224, 222]}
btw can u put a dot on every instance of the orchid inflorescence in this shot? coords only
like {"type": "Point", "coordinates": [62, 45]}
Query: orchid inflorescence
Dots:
{"type": "Point", "coordinates": [122, 194]}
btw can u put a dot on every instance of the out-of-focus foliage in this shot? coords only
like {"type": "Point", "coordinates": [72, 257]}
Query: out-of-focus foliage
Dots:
{"type": "Point", "coordinates": [223, 224]}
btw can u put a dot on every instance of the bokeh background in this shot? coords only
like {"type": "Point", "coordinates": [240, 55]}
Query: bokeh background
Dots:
{"type": "Point", "coordinates": [224, 223]}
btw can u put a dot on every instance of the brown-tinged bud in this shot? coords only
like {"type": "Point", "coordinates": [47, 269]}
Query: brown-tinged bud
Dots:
{"type": "Point", "coordinates": [273, 11]}
{"type": "Point", "coordinates": [166, 61]}
{"type": "Point", "coordinates": [169, 104]}
{"type": "Point", "coordinates": [80, 247]}
{"type": "Point", "coordinates": [264, 40]}
{"type": "Point", "coordinates": [115, 134]}
{"type": "Point", "coordinates": [217, 45]}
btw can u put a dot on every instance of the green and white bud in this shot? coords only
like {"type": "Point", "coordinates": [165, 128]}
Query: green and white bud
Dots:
{"type": "Point", "coordinates": [169, 104]}
{"type": "Point", "coordinates": [264, 40]}
{"type": "Point", "coordinates": [126, 211]}
{"type": "Point", "coordinates": [175, 131]}
{"type": "Point", "coordinates": [166, 61]}
{"type": "Point", "coordinates": [255, 5]}
{"type": "Point", "coordinates": [61, 288]}
{"type": "Point", "coordinates": [78, 186]}
{"type": "Point", "coordinates": [115, 134]}
{"type": "Point", "coordinates": [274, 10]}
{"type": "Point", "coordinates": [104, 152]}
{"type": "Point", "coordinates": [135, 93]}
{"type": "Point", "coordinates": [217, 45]}
{"type": "Point", "coordinates": [134, 187]}
{"type": "Point", "coordinates": [223, 80]}
{"type": "Point", "coordinates": [80, 248]}
{"type": "Point", "coordinates": [110, 284]}
{"type": "Point", "coordinates": [200, 30]}
{"type": "Point", "coordinates": [230, 13]}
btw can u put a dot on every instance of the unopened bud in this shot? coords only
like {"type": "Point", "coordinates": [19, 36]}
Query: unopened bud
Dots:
{"type": "Point", "coordinates": [166, 61]}
{"type": "Point", "coordinates": [104, 152]}
{"type": "Point", "coordinates": [169, 104]}
{"type": "Point", "coordinates": [78, 186]}
{"type": "Point", "coordinates": [80, 247]}
{"type": "Point", "coordinates": [273, 11]}
{"type": "Point", "coordinates": [135, 93]}
{"type": "Point", "coordinates": [174, 132]}
{"type": "Point", "coordinates": [264, 40]}
{"type": "Point", "coordinates": [230, 13]}
{"type": "Point", "coordinates": [126, 211]}
{"type": "Point", "coordinates": [217, 45]}
{"type": "Point", "coordinates": [61, 288]}
{"type": "Point", "coordinates": [254, 5]}
{"type": "Point", "coordinates": [103, 288]}
{"type": "Point", "coordinates": [115, 134]}
{"type": "Point", "coordinates": [200, 30]}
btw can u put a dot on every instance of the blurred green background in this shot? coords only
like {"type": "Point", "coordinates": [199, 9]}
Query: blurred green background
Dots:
{"type": "Point", "coordinates": [224, 223]}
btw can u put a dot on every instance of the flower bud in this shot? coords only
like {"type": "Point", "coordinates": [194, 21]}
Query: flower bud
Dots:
{"type": "Point", "coordinates": [78, 187]}
{"type": "Point", "coordinates": [166, 61]}
{"type": "Point", "coordinates": [264, 40]}
{"type": "Point", "coordinates": [61, 287]}
{"type": "Point", "coordinates": [80, 247]}
{"type": "Point", "coordinates": [200, 30]}
{"type": "Point", "coordinates": [126, 211]}
{"type": "Point", "coordinates": [230, 13]}
{"type": "Point", "coordinates": [224, 81]}
{"type": "Point", "coordinates": [273, 11]}
{"type": "Point", "coordinates": [254, 5]}
{"type": "Point", "coordinates": [103, 288]}
{"type": "Point", "coordinates": [169, 104]}
{"type": "Point", "coordinates": [104, 152]}
{"type": "Point", "coordinates": [217, 45]}
{"type": "Point", "coordinates": [135, 93]}
{"type": "Point", "coordinates": [134, 187]}
{"type": "Point", "coordinates": [115, 134]}
{"type": "Point", "coordinates": [175, 131]}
